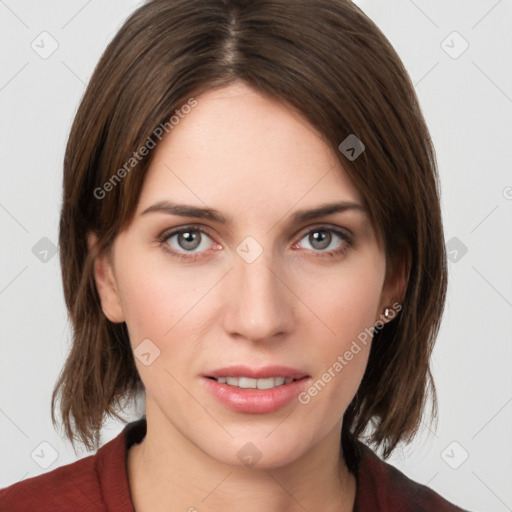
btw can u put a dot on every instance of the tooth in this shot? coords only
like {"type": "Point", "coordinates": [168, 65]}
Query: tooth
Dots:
{"type": "Point", "coordinates": [250, 383]}
{"type": "Point", "coordinates": [246, 382]}
{"type": "Point", "coordinates": [267, 383]}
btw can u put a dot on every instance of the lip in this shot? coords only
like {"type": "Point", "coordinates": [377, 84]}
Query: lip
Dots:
{"type": "Point", "coordinates": [255, 401]}
{"type": "Point", "coordinates": [257, 373]}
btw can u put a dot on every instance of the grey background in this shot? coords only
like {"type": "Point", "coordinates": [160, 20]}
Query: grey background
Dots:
{"type": "Point", "coordinates": [467, 102]}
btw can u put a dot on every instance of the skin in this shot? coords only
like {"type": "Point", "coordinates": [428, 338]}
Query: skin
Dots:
{"type": "Point", "coordinates": [257, 162]}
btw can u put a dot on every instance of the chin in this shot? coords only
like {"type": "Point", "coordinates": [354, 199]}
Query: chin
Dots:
{"type": "Point", "coordinates": [259, 451]}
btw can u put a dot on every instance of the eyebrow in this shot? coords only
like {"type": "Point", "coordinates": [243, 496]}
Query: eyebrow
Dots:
{"type": "Point", "coordinates": [213, 215]}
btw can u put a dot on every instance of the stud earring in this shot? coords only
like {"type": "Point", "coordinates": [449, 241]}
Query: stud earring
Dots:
{"type": "Point", "coordinates": [389, 313]}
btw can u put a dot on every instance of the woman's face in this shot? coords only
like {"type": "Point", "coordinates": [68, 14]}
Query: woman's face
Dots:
{"type": "Point", "coordinates": [268, 292]}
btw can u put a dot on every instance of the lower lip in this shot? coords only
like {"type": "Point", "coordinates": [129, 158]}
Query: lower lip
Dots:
{"type": "Point", "coordinates": [255, 401]}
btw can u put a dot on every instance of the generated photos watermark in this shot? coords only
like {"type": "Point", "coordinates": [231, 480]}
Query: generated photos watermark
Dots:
{"type": "Point", "coordinates": [343, 360]}
{"type": "Point", "coordinates": [138, 156]}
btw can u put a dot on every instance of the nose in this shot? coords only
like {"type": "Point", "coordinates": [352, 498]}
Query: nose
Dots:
{"type": "Point", "coordinates": [260, 305]}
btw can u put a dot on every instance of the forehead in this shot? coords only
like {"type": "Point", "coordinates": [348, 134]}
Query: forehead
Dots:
{"type": "Point", "coordinates": [239, 147]}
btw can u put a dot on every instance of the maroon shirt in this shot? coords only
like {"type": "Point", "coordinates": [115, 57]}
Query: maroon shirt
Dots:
{"type": "Point", "coordinates": [99, 483]}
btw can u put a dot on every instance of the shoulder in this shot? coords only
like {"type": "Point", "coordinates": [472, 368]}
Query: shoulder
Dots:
{"type": "Point", "coordinates": [96, 483]}
{"type": "Point", "coordinates": [71, 487]}
{"type": "Point", "coordinates": [382, 487]}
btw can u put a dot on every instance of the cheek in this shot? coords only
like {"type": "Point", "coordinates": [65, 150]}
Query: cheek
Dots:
{"type": "Point", "coordinates": [164, 309]}
{"type": "Point", "coordinates": [149, 308]}
{"type": "Point", "coordinates": [173, 308]}
{"type": "Point", "coordinates": [347, 309]}
{"type": "Point", "coordinates": [350, 301]}
{"type": "Point", "coordinates": [157, 298]}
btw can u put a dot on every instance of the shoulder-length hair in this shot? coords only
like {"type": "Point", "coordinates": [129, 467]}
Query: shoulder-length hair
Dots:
{"type": "Point", "coordinates": [327, 60]}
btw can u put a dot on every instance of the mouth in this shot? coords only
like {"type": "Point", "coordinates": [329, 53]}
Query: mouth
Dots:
{"type": "Point", "coordinates": [250, 383]}
{"type": "Point", "coordinates": [255, 390]}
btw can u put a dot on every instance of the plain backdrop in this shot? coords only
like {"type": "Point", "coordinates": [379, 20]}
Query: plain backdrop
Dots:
{"type": "Point", "coordinates": [458, 54]}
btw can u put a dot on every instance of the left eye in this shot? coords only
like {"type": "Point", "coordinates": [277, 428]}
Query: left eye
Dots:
{"type": "Point", "coordinates": [321, 238]}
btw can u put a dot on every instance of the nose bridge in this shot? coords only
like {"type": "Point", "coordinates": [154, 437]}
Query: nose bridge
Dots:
{"type": "Point", "coordinates": [260, 306]}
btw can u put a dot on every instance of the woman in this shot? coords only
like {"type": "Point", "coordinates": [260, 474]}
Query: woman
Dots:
{"type": "Point", "coordinates": [251, 239]}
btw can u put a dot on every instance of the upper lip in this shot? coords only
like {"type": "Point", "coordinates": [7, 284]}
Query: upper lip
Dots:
{"type": "Point", "coordinates": [257, 373]}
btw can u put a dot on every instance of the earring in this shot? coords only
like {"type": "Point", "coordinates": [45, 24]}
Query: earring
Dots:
{"type": "Point", "coordinates": [389, 312]}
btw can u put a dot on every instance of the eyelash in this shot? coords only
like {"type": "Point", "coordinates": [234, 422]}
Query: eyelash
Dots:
{"type": "Point", "coordinates": [191, 257]}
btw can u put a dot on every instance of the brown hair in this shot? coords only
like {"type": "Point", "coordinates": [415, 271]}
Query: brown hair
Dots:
{"type": "Point", "coordinates": [328, 61]}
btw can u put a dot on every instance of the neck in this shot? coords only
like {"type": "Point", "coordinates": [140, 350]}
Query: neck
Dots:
{"type": "Point", "coordinates": [167, 472]}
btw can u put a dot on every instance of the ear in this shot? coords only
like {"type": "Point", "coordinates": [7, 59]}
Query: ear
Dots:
{"type": "Point", "coordinates": [106, 283]}
{"type": "Point", "coordinates": [394, 289]}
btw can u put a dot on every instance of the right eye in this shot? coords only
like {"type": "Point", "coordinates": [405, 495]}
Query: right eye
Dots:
{"type": "Point", "coordinates": [187, 242]}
